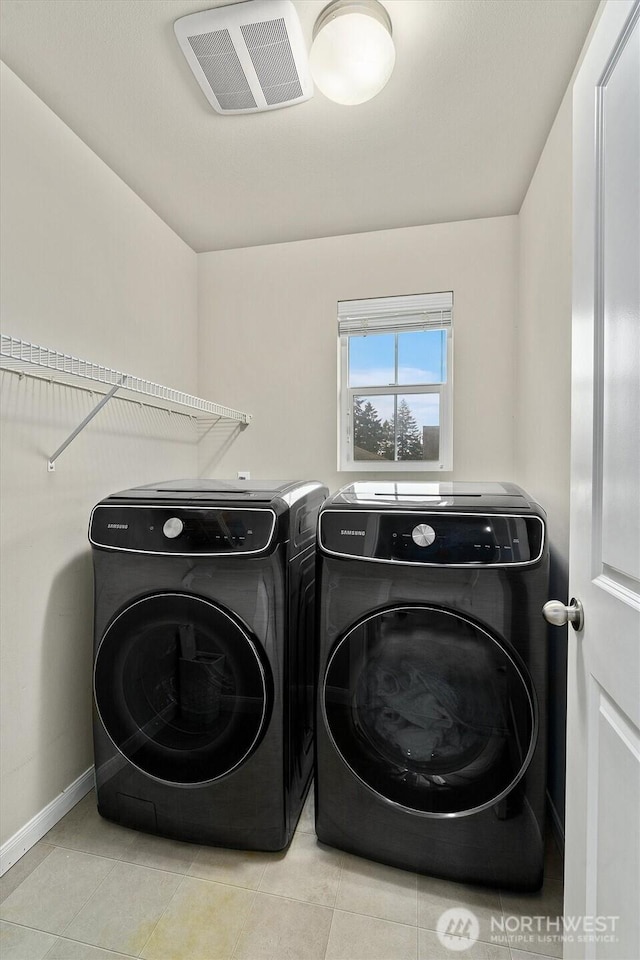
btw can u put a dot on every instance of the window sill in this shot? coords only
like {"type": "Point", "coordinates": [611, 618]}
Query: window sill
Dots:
{"type": "Point", "coordinates": [391, 466]}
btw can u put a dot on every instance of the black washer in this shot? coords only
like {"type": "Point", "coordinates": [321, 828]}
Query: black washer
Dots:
{"type": "Point", "coordinates": [432, 679]}
{"type": "Point", "coordinates": [204, 658]}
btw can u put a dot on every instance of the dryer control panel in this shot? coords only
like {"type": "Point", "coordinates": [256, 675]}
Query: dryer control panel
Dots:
{"type": "Point", "coordinates": [442, 539]}
{"type": "Point", "coordinates": [185, 531]}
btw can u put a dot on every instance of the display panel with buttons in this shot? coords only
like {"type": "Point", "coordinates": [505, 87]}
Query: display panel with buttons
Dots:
{"type": "Point", "coordinates": [442, 539]}
{"type": "Point", "coordinates": [182, 530]}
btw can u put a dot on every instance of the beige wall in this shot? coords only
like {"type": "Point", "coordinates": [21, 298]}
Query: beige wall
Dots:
{"type": "Point", "coordinates": [543, 397]}
{"type": "Point", "coordinates": [544, 332]}
{"type": "Point", "coordinates": [267, 341]}
{"type": "Point", "coordinates": [86, 268]}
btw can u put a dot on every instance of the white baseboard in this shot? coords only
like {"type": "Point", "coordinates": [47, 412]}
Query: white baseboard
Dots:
{"type": "Point", "coordinates": [35, 829]}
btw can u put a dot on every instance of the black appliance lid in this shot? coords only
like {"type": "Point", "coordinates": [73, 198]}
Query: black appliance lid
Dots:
{"type": "Point", "coordinates": [218, 491]}
{"type": "Point", "coordinates": [479, 496]}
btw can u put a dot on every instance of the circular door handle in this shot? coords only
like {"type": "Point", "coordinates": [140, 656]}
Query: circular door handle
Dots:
{"type": "Point", "coordinates": [557, 613]}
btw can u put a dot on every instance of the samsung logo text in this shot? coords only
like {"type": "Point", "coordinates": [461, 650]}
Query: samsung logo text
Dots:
{"type": "Point", "coordinates": [352, 533]}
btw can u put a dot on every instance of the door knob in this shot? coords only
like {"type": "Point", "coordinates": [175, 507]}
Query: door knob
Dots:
{"type": "Point", "coordinates": [557, 613]}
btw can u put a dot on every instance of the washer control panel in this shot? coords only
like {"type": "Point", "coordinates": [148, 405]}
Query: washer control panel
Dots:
{"type": "Point", "coordinates": [446, 539]}
{"type": "Point", "coordinates": [189, 531]}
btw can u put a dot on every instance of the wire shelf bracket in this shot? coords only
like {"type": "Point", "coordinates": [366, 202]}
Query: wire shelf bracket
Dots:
{"type": "Point", "coordinates": [65, 369]}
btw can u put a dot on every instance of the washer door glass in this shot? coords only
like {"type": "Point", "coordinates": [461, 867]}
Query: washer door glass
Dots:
{"type": "Point", "coordinates": [429, 710]}
{"type": "Point", "coordinates": [181, 688]}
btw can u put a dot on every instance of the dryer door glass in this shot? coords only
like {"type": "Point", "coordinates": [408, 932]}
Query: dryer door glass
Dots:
{"type": "Point", "coordinates": [181, 688]}
{"type": "Point", "coordinates": [431, 711]}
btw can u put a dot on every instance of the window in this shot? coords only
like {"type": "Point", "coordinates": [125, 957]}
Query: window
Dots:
{"type": "Point", "coordinates": [396, 383]}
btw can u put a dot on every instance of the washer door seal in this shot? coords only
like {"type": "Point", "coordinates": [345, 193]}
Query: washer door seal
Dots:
{"type": "Point", "coordinates": [181, 688]}
{"type": "Point", "coordinates": [430, 710]}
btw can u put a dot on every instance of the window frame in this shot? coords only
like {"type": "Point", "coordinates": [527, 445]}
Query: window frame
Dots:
{"type": "Point", "coordinates": [346, 394]}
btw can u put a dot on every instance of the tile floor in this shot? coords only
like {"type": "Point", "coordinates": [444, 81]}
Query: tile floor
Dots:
{"type": "Point", "coordinates": [91, 890]}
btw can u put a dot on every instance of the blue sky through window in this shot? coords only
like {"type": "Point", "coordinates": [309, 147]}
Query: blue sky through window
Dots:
{"type": "Point", "coordinates": [422, 358]}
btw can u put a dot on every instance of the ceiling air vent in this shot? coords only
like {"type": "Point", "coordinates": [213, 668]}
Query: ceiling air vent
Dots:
{"type": "Point", "coordinates": [247, 57]}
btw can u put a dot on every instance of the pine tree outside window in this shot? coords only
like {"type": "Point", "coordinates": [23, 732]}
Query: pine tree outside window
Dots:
{"type": "Point", "coordinates": [396, 386]}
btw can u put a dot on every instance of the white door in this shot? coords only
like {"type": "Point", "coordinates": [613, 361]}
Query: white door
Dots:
{"type": "Point", "coordinates": [603, 723]}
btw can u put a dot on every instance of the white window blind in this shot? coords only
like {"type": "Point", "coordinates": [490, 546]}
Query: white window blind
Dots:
{"type": "Point", "coordinates": [395, 314]}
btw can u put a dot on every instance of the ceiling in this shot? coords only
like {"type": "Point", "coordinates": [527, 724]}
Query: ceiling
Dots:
{"type": "Point", "coordinates": [455, 135]}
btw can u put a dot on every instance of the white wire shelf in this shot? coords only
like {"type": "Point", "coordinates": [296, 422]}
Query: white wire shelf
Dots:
{"type": "Point", "coordinates": [22, 357]}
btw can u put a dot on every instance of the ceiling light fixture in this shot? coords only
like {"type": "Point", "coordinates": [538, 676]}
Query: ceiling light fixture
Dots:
{"type": "Point", "coordinates": [352, 54]}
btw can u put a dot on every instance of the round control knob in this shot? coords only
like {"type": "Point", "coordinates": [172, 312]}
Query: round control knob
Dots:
{"type": "Point", "coordinates": [173, 527]}
{"type": "Point", "coordinates": [423, 535]}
